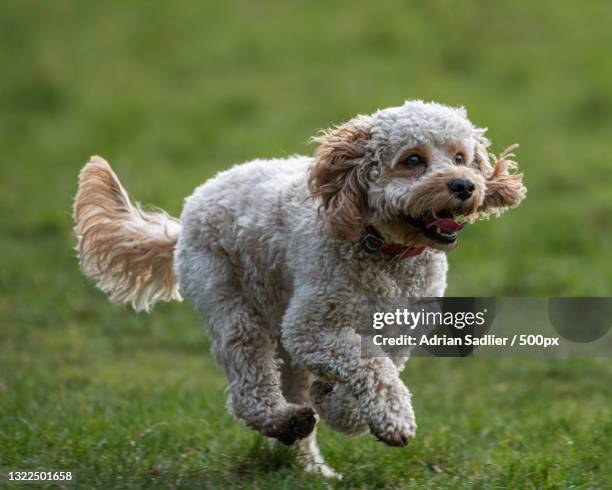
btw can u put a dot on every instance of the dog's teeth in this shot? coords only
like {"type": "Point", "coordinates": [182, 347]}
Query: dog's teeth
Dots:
{"type": "Point", "coordinates": [438, 230]}
{"type": "Point", "coordinates": [435, 215]}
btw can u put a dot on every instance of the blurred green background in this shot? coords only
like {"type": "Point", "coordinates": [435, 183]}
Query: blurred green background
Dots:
{"type": "Point", "coordinates": [172, 92]}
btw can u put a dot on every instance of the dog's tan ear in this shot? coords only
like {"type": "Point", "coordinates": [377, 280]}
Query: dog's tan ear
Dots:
{"type": "Point", "coordinates": [338, 177]}
{"type": "Point", "coordinates": [505, 187]}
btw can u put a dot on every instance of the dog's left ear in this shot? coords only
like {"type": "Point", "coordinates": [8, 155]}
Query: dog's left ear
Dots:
{"type": "Point", "coordinates": [505, 187]}
{"type": "Point", "coordinates": [338, 177]}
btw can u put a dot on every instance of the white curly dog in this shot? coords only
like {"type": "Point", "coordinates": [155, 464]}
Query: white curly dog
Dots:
{"type": "Point", "coordinates": [282, 255]}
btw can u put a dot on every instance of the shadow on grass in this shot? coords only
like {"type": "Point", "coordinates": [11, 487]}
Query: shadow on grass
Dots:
{"type": "Point", "coordinates": [263, 456]}
{"type": "Point", "coordinates": [260, 462]}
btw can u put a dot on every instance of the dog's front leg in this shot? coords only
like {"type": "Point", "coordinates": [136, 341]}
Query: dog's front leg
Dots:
{"type": "Point", "coordinates": [319, 336]}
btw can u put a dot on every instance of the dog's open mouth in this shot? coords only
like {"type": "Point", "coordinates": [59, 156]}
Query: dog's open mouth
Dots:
{"type": "Point", "coordinates": [441, 227]}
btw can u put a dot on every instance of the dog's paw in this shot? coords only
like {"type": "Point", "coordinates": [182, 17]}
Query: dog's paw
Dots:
{"type": "Point", "coordinates": [322, 469]}
{"type": "Point", "coordinates": [395, 437]}
{"type": "Point", "coordinates": [391, 418]}
{"type": "Point", "coordinates": [293, 423]}
{"type": "Point", "coordinates": [302, 422]}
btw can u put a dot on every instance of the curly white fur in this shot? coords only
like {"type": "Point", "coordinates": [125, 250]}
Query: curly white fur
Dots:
{"type": "Point", "coordinates": [282, 278]}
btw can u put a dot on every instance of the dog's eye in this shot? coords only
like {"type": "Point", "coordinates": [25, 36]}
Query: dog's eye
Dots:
{"type": "Point", "coordinates": [459, 158]}
{"type": "Point", "coordinates": [414, 159]}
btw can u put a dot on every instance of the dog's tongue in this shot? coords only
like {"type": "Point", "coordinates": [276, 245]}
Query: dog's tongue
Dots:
{"type": "Point", "coordinates": [447, 224]}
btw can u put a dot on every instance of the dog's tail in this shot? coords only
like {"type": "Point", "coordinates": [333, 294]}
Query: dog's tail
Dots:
{"type": "Point", "coordinates": [127, 250]}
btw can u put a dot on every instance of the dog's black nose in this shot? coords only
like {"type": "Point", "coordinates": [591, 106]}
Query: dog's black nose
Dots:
{"type": "Point", "coordinates": [461, 188]}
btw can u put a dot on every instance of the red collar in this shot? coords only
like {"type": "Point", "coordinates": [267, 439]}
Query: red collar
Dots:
{"type": "Point", "coordinates": [373, 241]}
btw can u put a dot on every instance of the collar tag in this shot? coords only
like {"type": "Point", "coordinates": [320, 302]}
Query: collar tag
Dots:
{"type": "Point", "coordinates": [371, 243]}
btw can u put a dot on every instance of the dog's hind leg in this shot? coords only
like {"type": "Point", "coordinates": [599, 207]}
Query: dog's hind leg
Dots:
{"type": "Point", "coordinates": [248, 353]}
{"type": "Point", "coordinates": [296, 382]}
{"type": "Point", "coordinates": [244, 346]}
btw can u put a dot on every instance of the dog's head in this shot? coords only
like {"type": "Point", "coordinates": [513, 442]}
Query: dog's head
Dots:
{"type": "Point", "coordinates": [415, 172]}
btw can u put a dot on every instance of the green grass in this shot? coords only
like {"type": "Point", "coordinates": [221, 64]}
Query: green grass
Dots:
{"type": "Point", "coordinates": [171, 93]}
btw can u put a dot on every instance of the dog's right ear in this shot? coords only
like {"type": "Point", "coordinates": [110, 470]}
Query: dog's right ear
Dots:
{"type": "Point", "coordinates": [505, 187]}
{"type": "Point", "coordinates": [338, 177]}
